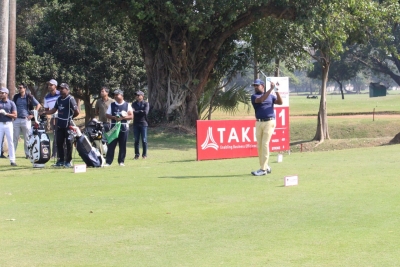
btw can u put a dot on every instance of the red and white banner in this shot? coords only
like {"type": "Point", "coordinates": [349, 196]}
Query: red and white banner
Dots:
{"type": "Point", "coordinates": [237, 138]}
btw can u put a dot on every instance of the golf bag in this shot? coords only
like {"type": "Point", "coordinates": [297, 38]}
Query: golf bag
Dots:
{"type": "Point", "coordinates": [89, 154]}
{"type": "Point", "coordinates": [94, 130]}
{"type": "Point", "coordinates": [39, 142]}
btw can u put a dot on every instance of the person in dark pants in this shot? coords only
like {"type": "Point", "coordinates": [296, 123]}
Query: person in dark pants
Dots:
{"type": "Point", "coordinates": [140, 111]}
{"type": "Point", "coordinates": [67, 109]}
{"type": "Point", "coordinates": [101, 107]}
{"type": "Point", "coordinates": [49, 101]}
{"type": "Point", "coordinates": [119, 111]}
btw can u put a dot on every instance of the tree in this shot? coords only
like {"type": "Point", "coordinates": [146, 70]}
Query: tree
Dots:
{"type": "Point", "coordinates": [381, 54]}
{"type": "Point", "coordinates": [341, 70]}
{"type": "Point", "coordinates": [180, 40]}
{"type": "Point", "coordinates": [334, 24]}
{"type": "Point", "coordinates": [11, 47]}
{"type": "Point", "coordinates": [277, 41]}
{"type": "Point", "coordinates": [4, 19]}
{"type": "Point", "coordinates": [84, 57]}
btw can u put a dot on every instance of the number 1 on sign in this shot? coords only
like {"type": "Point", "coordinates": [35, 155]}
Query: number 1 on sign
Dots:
{"type": "Point", "coordinates": [281, 116]}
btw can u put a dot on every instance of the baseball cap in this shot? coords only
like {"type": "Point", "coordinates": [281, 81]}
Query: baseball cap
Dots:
{"type": "Point", "coordinates": [118, 92]}
{"type": "Point", "coordinates": [139, 93]}
{"type": "Point", "coordinates": [258, 82]}
{"type": "Point", "coordinates": [52, 81]}
{"type": "Point", "coordinates": [4, 90]}
{"type": "Point", "coordinates": [64, 85]}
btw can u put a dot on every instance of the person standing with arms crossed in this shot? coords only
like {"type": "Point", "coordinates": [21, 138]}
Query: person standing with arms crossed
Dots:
{"type": "Point", "coordinates": [8, 112]}
{"type": "Point", "coordinates": [140, 111]}
{"type": "Point", "coordinates": [25, 104]}
{"type": "Point", "coordinates": [263, 102]}
{"type": "Point", "coordinates": [101, 107]}
{"type": "Point", "coordinates": [67, 109]}
{"type": "Point", "coordinates": [116, 112]}
{"type": "Point", "coordinates": [49, 101]}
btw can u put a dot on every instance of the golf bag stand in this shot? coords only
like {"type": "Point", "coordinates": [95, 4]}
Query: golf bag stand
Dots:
{"type": "Point", "coordinates": [89, 154]}
{"type": "Point", "coordinates": [94, 130]}
{"type": "Point", "coordinates": [39, 142]}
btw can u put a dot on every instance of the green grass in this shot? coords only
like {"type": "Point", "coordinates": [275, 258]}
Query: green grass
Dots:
{"type": "Point", "coordinates": [352, 104]}
{"type": "Point", "coordinates": [171, 210]}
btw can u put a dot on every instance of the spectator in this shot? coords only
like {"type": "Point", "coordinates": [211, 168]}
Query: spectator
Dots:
{"type": "Point", "coordinates": [101, 107]}
{"type": "Point", "coordinates": [49, 101]}
{"type": "Point", "coordinates": [140, 111]}
{"type": "Point", "coordinates": [119, 111]}
{"type": "Point", "coordinates": [25, 103]}
{"type": "Point", "coordinates": [8, 112]}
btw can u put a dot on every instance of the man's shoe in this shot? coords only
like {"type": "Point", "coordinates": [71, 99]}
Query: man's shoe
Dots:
{"type": "Point", "coordinates": [144, 157]}
{"type": "Point", "coordinates": [13, 164]}
{"type": "Point", "coordinates": [59, 164]}
{"type": "Point", "coordinates": [121, 164]}
{"type": "Point", "coordinates": [259, 172]}
{"type": "Point", "coordinates": [107, 165]}
{"type": "Point", "coordinates": [67, 165]}
{"type": "Point", "coordinates": [136, 157]}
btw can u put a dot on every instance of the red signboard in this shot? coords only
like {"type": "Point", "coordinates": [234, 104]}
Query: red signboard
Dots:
{"type": "Point", "coordinates": [237, 138]}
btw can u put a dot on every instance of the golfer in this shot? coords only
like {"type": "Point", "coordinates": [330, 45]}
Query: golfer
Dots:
{"type": "Point", "coordinates": [263, 102]}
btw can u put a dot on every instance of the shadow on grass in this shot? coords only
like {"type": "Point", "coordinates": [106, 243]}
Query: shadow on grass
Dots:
{"type": "Point", "coordinates": [204, 176]}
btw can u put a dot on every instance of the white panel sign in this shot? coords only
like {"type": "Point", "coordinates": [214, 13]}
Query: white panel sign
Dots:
{"type": "Point", "coordinates": [291, 180]}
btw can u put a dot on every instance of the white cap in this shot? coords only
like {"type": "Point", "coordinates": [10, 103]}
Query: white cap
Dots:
{"type": "Point", "coordinates": [52, 81]}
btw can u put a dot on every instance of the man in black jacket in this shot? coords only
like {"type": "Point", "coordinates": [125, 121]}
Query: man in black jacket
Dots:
{"type": "Point", "coordinates": [67, 109]}
{"type": "Point", "coordinates": [140, 110]}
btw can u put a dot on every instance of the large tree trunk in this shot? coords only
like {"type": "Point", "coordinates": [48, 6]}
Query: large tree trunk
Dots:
{"type": "Point", "coordinates": [11, 47]}
{"type": "Point", "coordinates": [4, 20]}
{"type": "Point", "coordinates": [322, 132]}
{"type": "Point", "coordinates": [277, 67]}
{"type": "Point", "coordinates": [178, 64]}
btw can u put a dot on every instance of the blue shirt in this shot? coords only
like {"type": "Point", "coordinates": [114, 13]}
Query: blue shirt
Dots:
{"type": "Point", "coordinates": [9, 107]}
{"type": "Point", "coordinates": [265, 109]}
{"type": "Point", "coordinates": [22, 106]}
{"type": "Point", "coordinates": [50, 100]}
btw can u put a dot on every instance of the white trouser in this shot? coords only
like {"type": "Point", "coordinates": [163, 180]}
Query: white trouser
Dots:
{"type": "Point", "coordinates": [6, 128]}
{"type": "Point", "coordinates": [24, 126]}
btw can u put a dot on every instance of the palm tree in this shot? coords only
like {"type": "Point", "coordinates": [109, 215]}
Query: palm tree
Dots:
{"type": "Point", "coordinates": [218, 96]}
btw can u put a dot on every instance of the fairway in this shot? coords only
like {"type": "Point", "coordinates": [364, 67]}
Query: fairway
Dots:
{"type": "Point", "coordinates": [171, 210]}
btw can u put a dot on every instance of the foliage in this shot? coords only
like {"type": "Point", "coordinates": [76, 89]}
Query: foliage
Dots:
{"type": "Point", "coordinates": [381, 54]}
{"type": "Point", "coordinates": [181, 41]}
{"type": "Point", "coordinates": [226, 99]}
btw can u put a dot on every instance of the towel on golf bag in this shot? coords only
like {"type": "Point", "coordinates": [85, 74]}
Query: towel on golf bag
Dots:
{"type": "Point", "coordinates": [89, 154]}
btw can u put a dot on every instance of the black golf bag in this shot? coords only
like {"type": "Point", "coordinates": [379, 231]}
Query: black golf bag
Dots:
{"type": "Point", "coordinates": [39, 142]}
{"type": "Point", "coordinates": [89, 154]}
{"type": "Point", "coordinates": [94, 130]}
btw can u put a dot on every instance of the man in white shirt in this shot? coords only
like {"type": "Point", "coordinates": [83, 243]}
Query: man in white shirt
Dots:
{"type": "Point", "coordinates": [49, 102]}
{"type": "Point", "coordinates": [123, 112]}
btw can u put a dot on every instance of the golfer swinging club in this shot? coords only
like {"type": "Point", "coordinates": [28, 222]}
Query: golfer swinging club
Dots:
{"type": "Point", "coordinates": [263, 103]}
